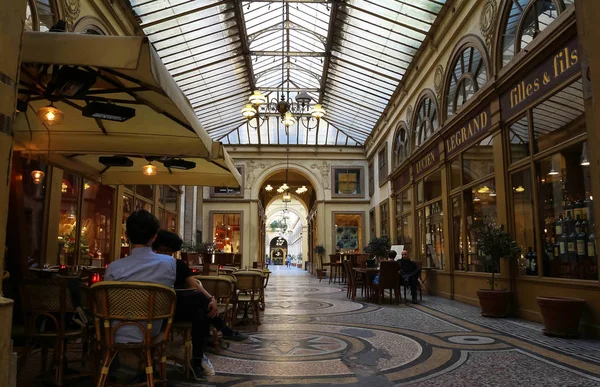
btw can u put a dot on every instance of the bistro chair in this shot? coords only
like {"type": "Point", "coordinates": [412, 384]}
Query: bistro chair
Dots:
{"type": "Point", "coordinates": [249, 288]}
{"type": "Point", "coordinates": [141, 304]}
{"type": "Point", "coordinates": [388, 279]}
{"type": "Point", "coordinates": [354, 281]}
{"type": "Point", "coordinates": [322, 268]}
{"type": "Point", "coordinates": [49, 306]}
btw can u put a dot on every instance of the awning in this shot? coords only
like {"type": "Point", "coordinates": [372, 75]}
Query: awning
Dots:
{"type": "Point", "coordinates": [128, 73]}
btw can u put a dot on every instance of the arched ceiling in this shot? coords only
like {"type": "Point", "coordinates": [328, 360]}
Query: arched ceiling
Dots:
{"type": "Point", "coordinates": [349, 55]}
{"type": "Point", "coordinates": [295, 180]}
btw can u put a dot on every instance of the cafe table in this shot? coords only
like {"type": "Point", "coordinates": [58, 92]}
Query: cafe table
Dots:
{"type": "Point", "coordinates": [368, 274]}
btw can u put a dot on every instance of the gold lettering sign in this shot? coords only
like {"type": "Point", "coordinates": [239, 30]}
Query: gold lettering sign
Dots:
{"type": "Point", "coordinates": [553, 70]}
{"type": "Point", "coordinates": [469, 132]}
{"type": "Point", "coordinates": [430, 159]}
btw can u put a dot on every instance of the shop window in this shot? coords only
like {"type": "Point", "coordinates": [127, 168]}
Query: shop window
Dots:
{"type": "Point", "coordinates": [457, 233]}
{"type": "Point", "coordinates": [403, 204]}
{"type": "Point", "coordinates": [384, 218]}
{"type": "Point", "coordinates": [432, 186]}
{"type": "Point", "coordinates": [518, 137]}
{"type": "Point", "coordinates": [524, 21]}
{"type": "Point", "coordinates": [67, 226]}
{"type": "Point", "coordinates": [434, 235]}
{"type": "Point", "coordinates": [145, 191]}
{"type": "Point", "coordinates": [227, 232]}
{"type": "Point", "coordinates": [95, 241]}
{"type": "Point", "coordinates": [404, 220]}
{"type": "Point", "coordinates": [478, 161]}
{"type": "Point", "coordinates": [382, 164]}
{"type": "Point", "coordinates": [479, 206]}
{"type": "Point", "coordinates": [559, 118]}
{"type": "Point", "coordinates": [455, 173]}
{"type": "Point", "coordinates": [401, 145]}
{"type": "Point", "coordinates": [566, 214]}
{"type": "Point", "coordinates": [427, 119]}
{"type": "Point", "coordinates": [372, 222]}
{"type": "Point", "coordinates": [229, 191]}
{"type": "Point", "coordinates": [347, 181]}
{"type": "Point", "coordinates": [469, 73]}
{"type": "Point", "coordinates": [34, 198]}
{"type": "Point", "coordinates": [523, 222]}
{"type": "Point", "coordinates": [371, 178]}
{"type": "Point", "coordinates": [348, 231]}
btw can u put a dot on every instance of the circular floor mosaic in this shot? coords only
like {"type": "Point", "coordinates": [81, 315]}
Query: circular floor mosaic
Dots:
{"type": "Point", "coordinates": [472, 340]}
{"type": "Point", "coordinates": [288, 346]}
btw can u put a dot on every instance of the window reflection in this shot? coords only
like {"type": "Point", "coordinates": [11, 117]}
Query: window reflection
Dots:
{"type": "Point", "coordinates": [480, 203]}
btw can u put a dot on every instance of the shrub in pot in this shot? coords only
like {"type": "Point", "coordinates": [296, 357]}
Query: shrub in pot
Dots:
{"type": "Point", "coordinates": [496, 243]}
{"type": "Point", "coordinates": [379, 247]}
{"type": "Point", "coordinates": [320, 251]}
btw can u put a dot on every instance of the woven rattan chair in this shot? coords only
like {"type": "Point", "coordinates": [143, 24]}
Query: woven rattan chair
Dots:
{"type": "Point", "coordinates": [249, 288]}
{"type": "Point", "coordinates": [143, 304]}
{"type": "Point", "coordinates": [48, 307]}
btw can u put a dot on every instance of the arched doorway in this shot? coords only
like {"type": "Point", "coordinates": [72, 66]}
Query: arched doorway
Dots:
{"type": "Point", "coordinates": [278, 249]}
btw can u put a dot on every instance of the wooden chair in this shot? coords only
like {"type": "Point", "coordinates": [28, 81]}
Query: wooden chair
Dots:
{"type": "Point", "coordinates": [322, 268]}
{"type": "Point", "coordinates": [354, 281]}
{"type": "Point", "coordinates": [118, 304]}
{"type": "Point", "coordinates": [249, 288]}
{"type": "Point", "coordinates": [388, 279]}
{"type": "Point", "coordinates": [48, 306]}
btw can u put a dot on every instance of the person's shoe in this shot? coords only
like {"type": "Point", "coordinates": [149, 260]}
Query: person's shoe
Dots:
{"type": "Point", "coordinates": [236, 336]}
{"type": "Point", "coordinates": [207, 366]}
{"type": "Point", "coordinates": [198, 371]}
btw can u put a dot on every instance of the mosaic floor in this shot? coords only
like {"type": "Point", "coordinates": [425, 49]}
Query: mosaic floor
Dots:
{"type": "Point", "coordinates": [311, 334]}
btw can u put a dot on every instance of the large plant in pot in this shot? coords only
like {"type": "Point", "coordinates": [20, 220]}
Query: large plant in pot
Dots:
{"type": "Point", "coordinates": [379, 247]}
{"type": "Point", "coordinates": [493, 241]}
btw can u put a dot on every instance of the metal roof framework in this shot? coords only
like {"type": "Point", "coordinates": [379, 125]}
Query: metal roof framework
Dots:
{"type": "Point", "coordinates": [349, 55]}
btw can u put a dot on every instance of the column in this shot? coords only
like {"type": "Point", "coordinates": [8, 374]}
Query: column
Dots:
{"type": "Point", "coordinates": [588, 35]}
{"type": "Point", "coordinates": [12, 14]}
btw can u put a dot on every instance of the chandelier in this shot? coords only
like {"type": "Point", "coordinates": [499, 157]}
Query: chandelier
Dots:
{"type": "Point", "coordinates": [290, 112]}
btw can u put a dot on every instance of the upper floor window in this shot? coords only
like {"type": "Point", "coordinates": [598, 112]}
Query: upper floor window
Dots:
{"type": "Point", "coordinates": [348, 181]}
{"type": "Point", "coordinates": [427, 119]}
{"type": "Point", "coordinates": [40, 15]}
{"type": "Point", "coordinates": [469, 73]}
{"type": "Point", "coordinates": [229, 191]}
{"type": "Point", "coordinates": [382, 164]}
{"type": "Point", "coordinates": [371, 178]}
{"type": "Point", "coordinates": [401, 145]}
{"type": "Point", "coordinates": [524, 22]}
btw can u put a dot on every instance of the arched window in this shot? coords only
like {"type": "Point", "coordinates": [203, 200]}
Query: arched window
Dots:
{"type": "Point", "coordinates": [469, 73]}
{"type": "Point", "coordinates": [401, 144]}
{"type": "Point", "coordinates": [40, 15]}
{"type": "Point", "coordinates": [524, 22]}
{"type": "Point", "coordinates": [426, 121]}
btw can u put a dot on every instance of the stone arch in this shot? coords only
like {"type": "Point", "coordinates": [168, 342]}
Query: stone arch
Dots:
{"type": "Point", "coordinates": [310, 175]}
{"type": "Point", "coordinates": [290, 209]}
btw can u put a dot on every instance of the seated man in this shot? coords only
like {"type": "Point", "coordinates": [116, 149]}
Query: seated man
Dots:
{"type": "Point", "coordinates": [409, 273]}
{"type": "Point", "coordinates": [169, 243]}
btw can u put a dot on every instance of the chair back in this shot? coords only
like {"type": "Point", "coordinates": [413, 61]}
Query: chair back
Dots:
{"type": "Point", "coordinates": [349, 273]}
{"type": "Point", "coordinates": [249, 281]}
{"type": "Point", "coordinates": [388, 274]}
{"type": "Point", "coordinates": [117, 303]}
{"type": "Point", "coordinates": [258, 265]}
{"type": "Point", "coordinates": [219, 287]}
{"type": "Point", "coordinates": [50, 298]}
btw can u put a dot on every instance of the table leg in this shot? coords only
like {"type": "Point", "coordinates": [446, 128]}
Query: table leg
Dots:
{"type": "Point", "coordinates": [423, 281]}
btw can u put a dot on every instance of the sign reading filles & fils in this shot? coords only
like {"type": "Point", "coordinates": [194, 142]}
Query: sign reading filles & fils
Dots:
{"type": "Point", "coordinates": [558, 67]}
{"type": "Point", "coordinates": [470, 131]}
{"type": "Point", "coordinates": [428, 161]}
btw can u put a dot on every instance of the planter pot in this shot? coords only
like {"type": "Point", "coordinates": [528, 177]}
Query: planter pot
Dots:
{"type": "Point", "coordinates": [561, 315]}
{"type": "Point", "coordinates": [494, 303]}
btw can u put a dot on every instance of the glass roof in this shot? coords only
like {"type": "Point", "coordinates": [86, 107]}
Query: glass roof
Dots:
{"type": "Point", "coordinates": [350, 56]}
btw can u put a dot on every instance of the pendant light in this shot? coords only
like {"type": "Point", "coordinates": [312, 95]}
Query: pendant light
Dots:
{"type": "Point", "coordinates": [149, 170]}
{"type": "Point", "coordinates": [553, 171]}
{"type": "Point", "coordinates": [50, 115]}
{"type": "Point", "coordinates": [585, 162]}
{"type": "Point", "coordinates": [37, 176]}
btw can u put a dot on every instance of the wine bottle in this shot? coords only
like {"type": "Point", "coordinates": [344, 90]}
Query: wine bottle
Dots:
{"type": "Point", "coordinates": [528, 259]}
{"type": "Point", "coordinates": [577, 225]}
{"type": "Point", "coordinates": [591, 244]}
{"type": "Point", "coordinates": [572, 246]}
{"type": "Point", "coordinates": [568, 223]}
{"type": "Point", "coordinates": [584, 224]}
{"type": "Point", "coordinates": [558, 226]}
{"type": "Point", "coordinates": [581, 245]}
{"type": "Point", "coordinates": [562, 243]}
{"type": "Point", "coordinates": [534, 270]}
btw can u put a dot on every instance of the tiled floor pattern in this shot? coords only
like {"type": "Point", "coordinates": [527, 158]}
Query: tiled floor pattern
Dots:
{"type": "Point", "coordinates": [312, 335]}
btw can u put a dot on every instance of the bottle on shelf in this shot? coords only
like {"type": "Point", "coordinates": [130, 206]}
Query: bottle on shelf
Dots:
{"type": "Point", "coordinates": [572, 246]}
{"type": "Point", "coordinates": [577, 225]}
{"type": "Point", "coordinates": [534, 268]}
{"type": "Point", "coordinates": [562, 244]}
{"type": "Point", "coordinates": [558, 226]}
{"type": "Point", "coordinates": [528, 260]}
{"type": "Point", "coordinates": [568, 224]}
{"type": "Point", "coordinates": [591, 244]}
{"type": "Point", "coordinates": [581, 245]}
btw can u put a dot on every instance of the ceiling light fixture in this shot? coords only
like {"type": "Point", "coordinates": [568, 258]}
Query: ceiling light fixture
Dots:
{"type": "Point", "coordinates": [268, 188]}
{"type": "Point", "coordinates": [37, 176]}
{"type": "Point", "coordinates": [484, 190]}
{"type": "Point", "coordinates": [50, 115]}
{"type": "Point", "coordinates": [585, 162]}
{"type": "Point", "coordinates": [290, 112]}
{"type": "Point", "coordinates": [520, 189]}
{"type": "Point", "coordinates": [553, 171]}
{"type": "Point", "coordinates": [149, 170]}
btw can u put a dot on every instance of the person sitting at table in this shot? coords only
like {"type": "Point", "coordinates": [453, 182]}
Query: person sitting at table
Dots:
{"type": "Point", "coordinates": [169, 243]}
{"type": "Point", "coordinates": [409, 273]}
{"type": "Point", "coordinates": [392, 255]}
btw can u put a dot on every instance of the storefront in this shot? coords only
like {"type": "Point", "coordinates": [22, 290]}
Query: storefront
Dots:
{"type": "Point", "coordinates": [517, 154]}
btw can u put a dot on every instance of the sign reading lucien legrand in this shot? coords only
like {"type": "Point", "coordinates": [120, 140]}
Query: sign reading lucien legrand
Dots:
{"type": "Point", "coordinates": [555, 69]}
{"type": "Point", "coordinates": [427, 161]}
{"type": "Point", "coordinates": [470, 131]}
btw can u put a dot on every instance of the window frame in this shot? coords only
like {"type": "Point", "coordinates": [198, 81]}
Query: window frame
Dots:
{"type": "Point", "coordinates": [213, 194]}
{"type": "Point", "coordinates": [384, 221]}
{"type": "Point", "coordinates": [361, 181]}
{"type": "Point", "coordinates": [371, 177]}
{"type": "Point", "coordinates": [382, 165]}
{"type": "Point", "coordinates": [211, 225]}
{"type": "Point", "coordinates": [399, 146]}
{"type": "Point", "coordinates": [432, 117]}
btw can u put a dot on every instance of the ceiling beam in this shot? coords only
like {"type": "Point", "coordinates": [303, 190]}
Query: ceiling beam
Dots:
{"type": "Point", "coordinates": [328, 45]}
{"type": "Point", "coordinates": [239, 15]}
{"type": "Point", "coordinates": [288, 53]}
{"type": "Point", "coordinates": [293, 1]}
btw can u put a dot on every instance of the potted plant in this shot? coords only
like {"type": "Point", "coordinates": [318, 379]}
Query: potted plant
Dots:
{"type": "Point", "coordinates": [320, 251]}
{"type": "Point", "coordinates": [299, 261]}
{"type": "Point", "coordinates": [495, 243]}
{"type": "Point", "coordinates": [379, 247]}
{"type": "Point", "coordinates": [190, 252]}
